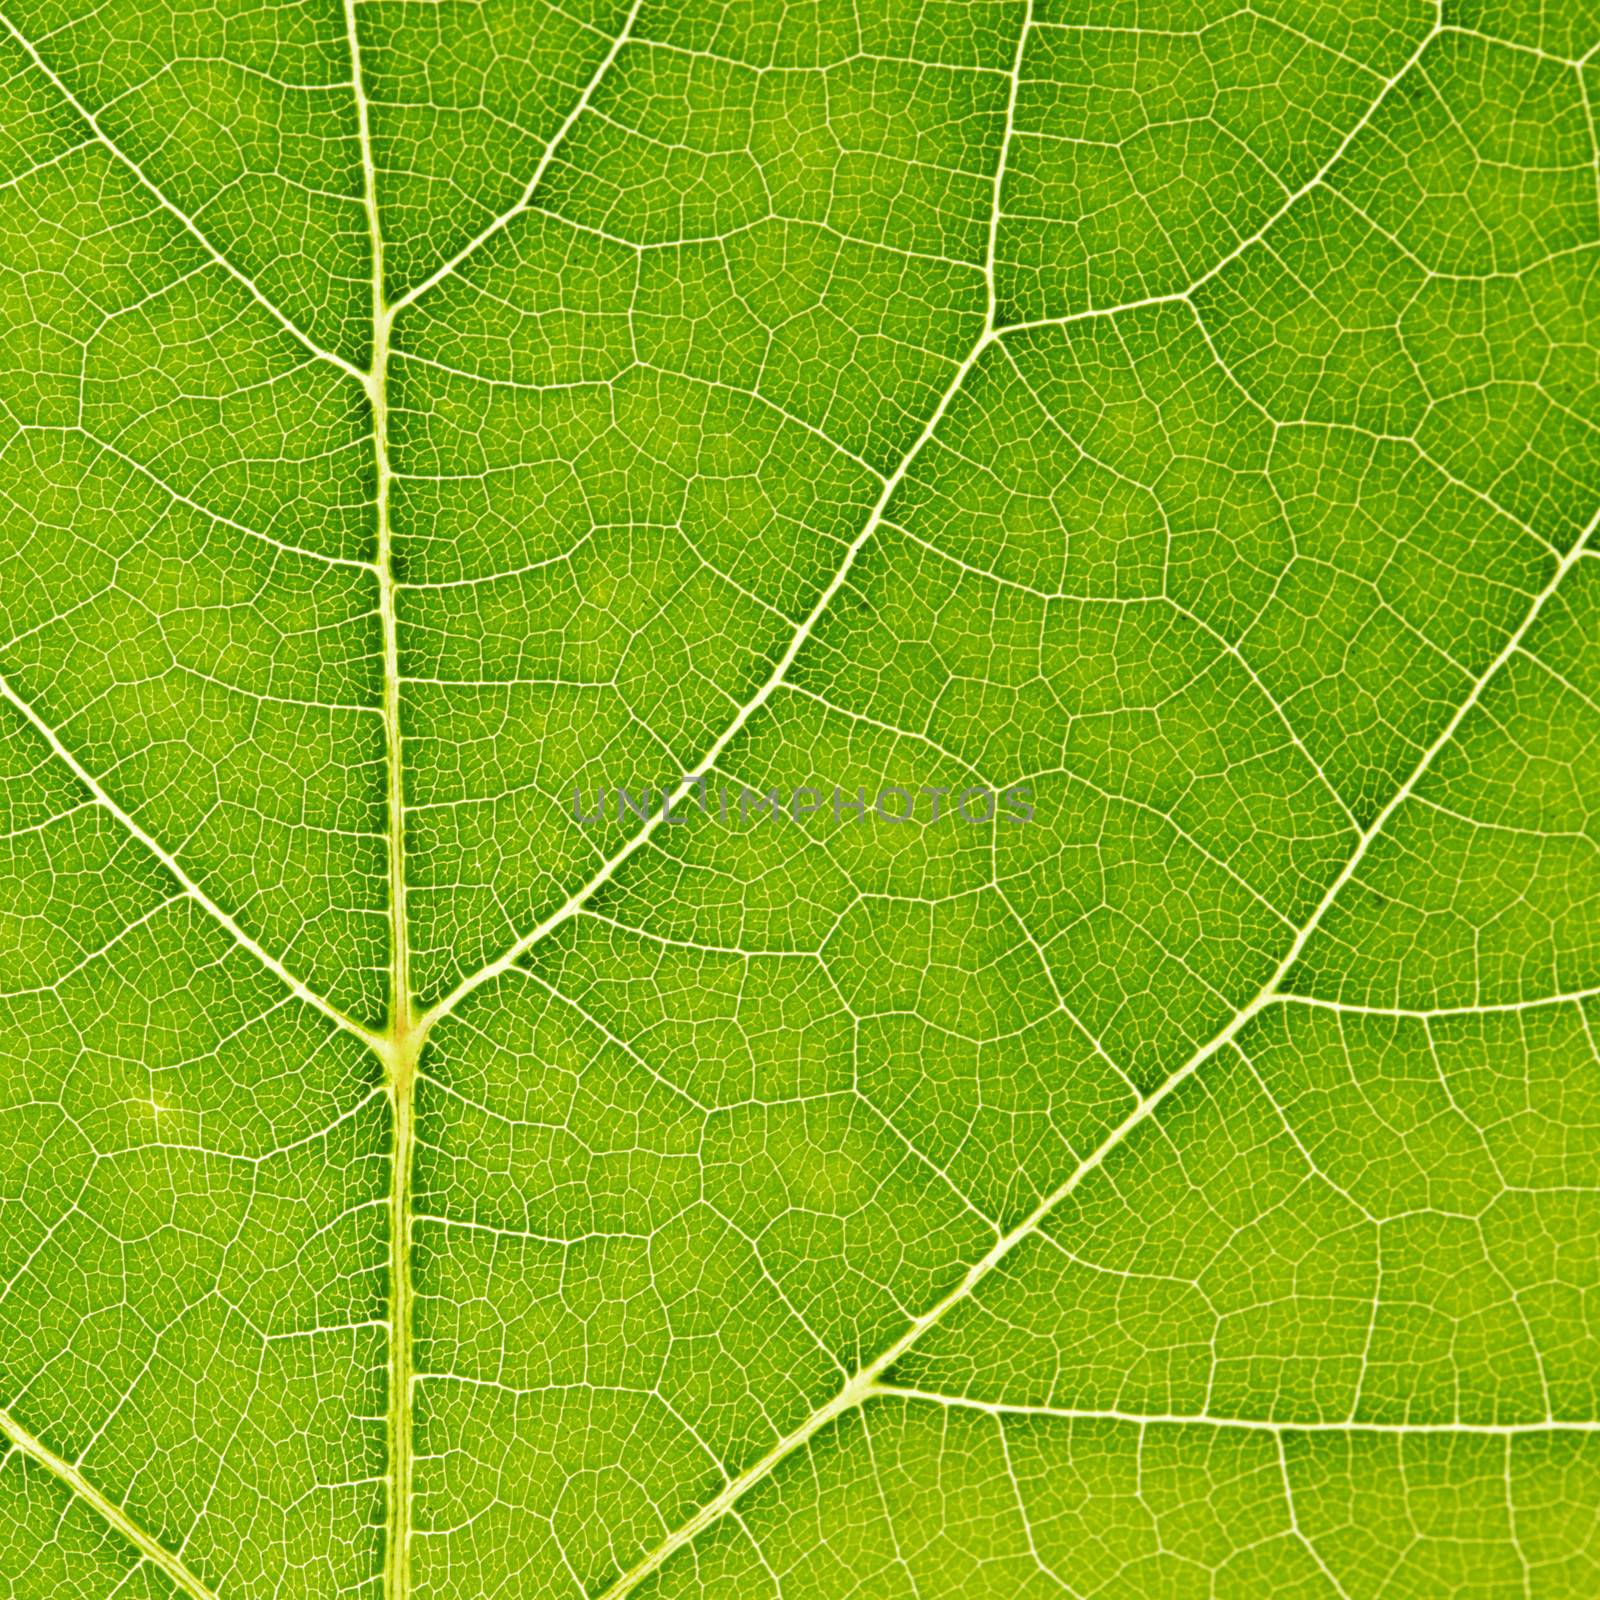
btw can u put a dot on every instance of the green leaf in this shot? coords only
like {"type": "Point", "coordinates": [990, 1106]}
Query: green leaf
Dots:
{"type": "Point", "coordinates": [413, 416]}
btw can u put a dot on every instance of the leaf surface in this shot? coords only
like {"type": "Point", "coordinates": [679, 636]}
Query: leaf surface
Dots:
{"type": "Point", "coordinates": [414, 415]}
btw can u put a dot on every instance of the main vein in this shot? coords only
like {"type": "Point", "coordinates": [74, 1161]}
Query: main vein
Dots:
{"type": "Point", "coordinates": [401, 1041]}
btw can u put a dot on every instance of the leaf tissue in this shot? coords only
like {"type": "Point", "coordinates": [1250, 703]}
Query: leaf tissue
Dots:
{"type": "Point", "coordinates": [1080, 1078]}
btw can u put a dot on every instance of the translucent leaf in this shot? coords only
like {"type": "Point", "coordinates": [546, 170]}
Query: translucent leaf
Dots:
{"type": "Point", "coordinates": [425, 1176]}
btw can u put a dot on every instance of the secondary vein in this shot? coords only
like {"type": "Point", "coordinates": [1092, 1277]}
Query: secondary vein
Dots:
{"type": "Point", "coordinates": [190, 226]}
{"type": "Point", "coordinates": [63, 1470]}
{"type": "Point", "coordinates": [866, 1382]}
{"type": "Point", "coordinates": [190, 887]}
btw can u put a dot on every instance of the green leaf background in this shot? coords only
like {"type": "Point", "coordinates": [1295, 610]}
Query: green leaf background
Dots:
{"type": "Point", "coordinates": [411, 409]}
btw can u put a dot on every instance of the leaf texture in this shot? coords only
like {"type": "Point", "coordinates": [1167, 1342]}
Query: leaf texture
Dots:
{"type": "Point", "coordinates": [414, 414]}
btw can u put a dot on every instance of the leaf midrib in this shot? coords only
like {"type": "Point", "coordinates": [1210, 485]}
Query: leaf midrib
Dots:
{"type": "Point", "coordinates": [401, 1043]}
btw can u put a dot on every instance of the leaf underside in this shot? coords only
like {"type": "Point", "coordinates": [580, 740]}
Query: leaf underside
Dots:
{"type": "Point", "coordinates": [413, 412]}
